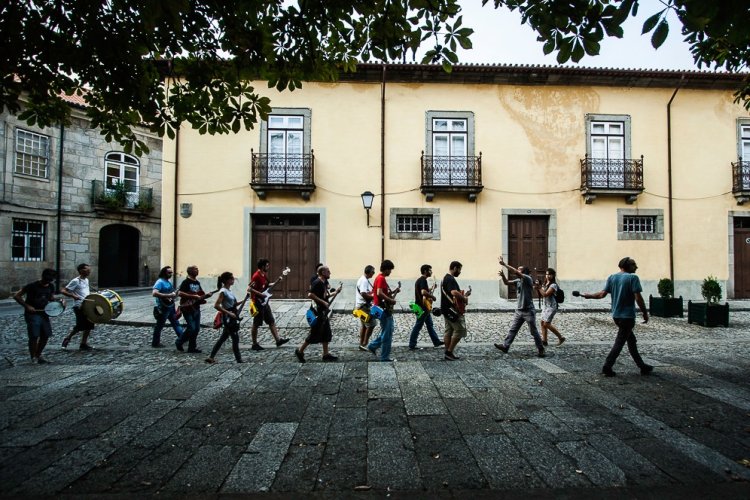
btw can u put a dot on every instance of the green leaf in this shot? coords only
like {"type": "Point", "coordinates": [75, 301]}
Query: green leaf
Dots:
{"type": "Point", "coordinates": [660, 34]}
{"type": "Point", "coordinates": [650, 23]}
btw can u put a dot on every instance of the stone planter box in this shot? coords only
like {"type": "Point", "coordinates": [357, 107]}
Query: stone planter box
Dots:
{"type": "Point", "coordinates": [665, 307]}
{"type": "Point", "coordinates": [705, 315]}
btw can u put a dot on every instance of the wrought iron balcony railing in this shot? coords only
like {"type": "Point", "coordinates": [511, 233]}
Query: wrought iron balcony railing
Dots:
{"type": "Point", "coordinates": [283, 172]}
{"type": "Point", "coordinates": [120, 199]}
{"type": "Point", "coordinates": [604, 176]}
{"type": "Point", "coordinates": [741, 181]}
{"type": "Point", "coordinates": [460, 174]}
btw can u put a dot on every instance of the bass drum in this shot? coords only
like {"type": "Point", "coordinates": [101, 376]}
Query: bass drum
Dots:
{"type": "Point", "coordinates": [102, 307]}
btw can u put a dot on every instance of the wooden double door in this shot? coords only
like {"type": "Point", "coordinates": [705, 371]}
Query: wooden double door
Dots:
{"type": "Point", "coordinates": [528, 245]}
{"type": "Point", "coordinates": [287, 240]}
{"type": "Point", "coordinates": [742, 257]}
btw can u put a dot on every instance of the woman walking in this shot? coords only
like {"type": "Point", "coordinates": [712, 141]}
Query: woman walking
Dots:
{"type": "Point", "coordinates": [548, 291]}
{"type": "Point", "coordinates": [226, 304]}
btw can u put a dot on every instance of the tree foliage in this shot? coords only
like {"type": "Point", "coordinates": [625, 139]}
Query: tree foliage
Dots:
{"type": "Point", "coordinates": [123, 57]}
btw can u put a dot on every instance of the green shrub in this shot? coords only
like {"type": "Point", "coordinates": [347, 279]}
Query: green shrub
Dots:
{"type": "Point", "coordinates": [711, 290]}
{"type": "Point", "coordinates": [665, 288]}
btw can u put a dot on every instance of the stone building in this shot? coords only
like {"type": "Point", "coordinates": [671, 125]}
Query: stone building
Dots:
{"type": "Point", "coordinates": [68, 196]}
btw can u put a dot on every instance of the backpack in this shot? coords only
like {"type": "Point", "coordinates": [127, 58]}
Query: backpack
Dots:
{"type": "Point", "coordinates": [559, 295]}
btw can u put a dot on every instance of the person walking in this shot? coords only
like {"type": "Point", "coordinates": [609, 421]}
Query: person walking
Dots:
{"type": "Point", "coordinates": [164, 310]}
{"type": "Point", "coordinates": [625, 288]}
{"type": "Point", "coordinates": [34, 297]}
{"type": "Point", "coordinates": [226, 304]}
{"type": "Point", "coordinates": [525, 312]}
{"type": "Point", "coordinates": [78, 289]}
{"type": "Point", "coordinates": [548, 291]}
{"type": "Point", "coordinates": [363, 302]}
{"type": "Point", "coordinates": [452, 306]}
{"type": "Point", "coordinates": [424, 298]}
{"type": "Point", "coordinates": [320, 332]}
{"type": "Point", "coordinates": [192, 296]}
{"type": "Point", "coordinates": [385, 298]}
{"type": "Point", "coordinates": [258, 284]}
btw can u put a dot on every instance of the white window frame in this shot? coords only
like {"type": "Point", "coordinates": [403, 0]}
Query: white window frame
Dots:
{"type": "Point", "coordinates": [625, 228]}
{"type": "Point", "coordinates": [400, 234]}
{"type": "Point", "coordinates": [123, 163]}
{"type": "Point", "coordinates": [286, 169]}
{"type": "Point", "coordinates": [28, 236]}
{"type": "Point", "coordinates": [743, 140]}
{"type": "Point", "coordinates": [31, 154]}
{"type": "Point", "coordinates": [457, 174]}
{"type": "Point", "coordinates": [609, 134]}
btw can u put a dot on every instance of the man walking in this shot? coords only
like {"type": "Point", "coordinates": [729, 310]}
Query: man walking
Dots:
{"type": "Point", "coordinates": [453, 305]}
{"type": "Point", "coordinates": [78, 289]}
{"type": "Point", "coordinates": [37, 295]}
{"type": "Point", "coordinates": [258, 284]}
{"type": "Point", "coordinates": [320, 332]}
{"type": "Point", "coordinates": [363, 302]}
{"type": "Point", "coordinates": [384, 298]}
{"type": "Point", "coordinates": [164, 310]}
{"type": "Point", "coordinates": [192, 296]}
{"type": "Point", "coordinates": [625, 288]}
{"type": "Point", "coordinates": [525, 312]}
{"type": "Point", "coordinates": [424, 298]}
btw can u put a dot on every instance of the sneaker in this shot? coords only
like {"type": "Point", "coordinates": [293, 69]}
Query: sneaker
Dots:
{"type": "Point", "coordinates": [178, 345]}
{"type": "Point", "coordinates": [300, 355]}
{"type": "Point", "coordinates": [194, 351]}
{"type": "Point", "coordinates": [646, 369]}
{"type": "Point", "coordinates": [439, 344]}
{"type": "Point", "coordinates": [85, 347]}
{"type": "Point", "coordinates": [413, 348]}
{"type": "Point", "coordinates": [363, 348]}
{"type": "Point", "coordinates": [541, 354]}
{"type": "Point", "coordinates": [256, 347]}
{"type": "Point", "coordinates": [330, 357]}
{"type": "Point", "coordinates": [502, 348]}
{"type": "Point", "coordinates": [608, 372]}
{"type": "Point", "coordinates": [562, 339]}
{"type": "Point", "coordinates": [42, 361]}
{"type": "Point", "coordinates": [373, 351]}
{"type": "Point", "coordinates": [210, 361]}
{"type": "Point", "coordinates": [65, 343]}
{"type": "Point", "coordinates": [388, 360]}
{"type": "Point", "coordinates": [157, 346]}
{"type": "Point", "coordinates": [281, 342]}
{"type": "Point", "coordinates": [449, 356]}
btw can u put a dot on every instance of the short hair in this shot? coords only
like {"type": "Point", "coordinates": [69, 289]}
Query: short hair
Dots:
{"type": "Point", "coordinates": [192, 266]}
{"type": "Point", "coordinates": [369, 269]}
{"type": "Point", "coordinates": [455, 264]}
{"type": "Point", "coordinates": [526, 270]}
{"type": "Point", "coordinates": [624, 262]}
{"type": "Point", "coordinates": [49, 274]}
{"type": "Point", "coordinates": [386, 265]}
{"type": "Point", "coordinates": [81, 266]}
{"type": "Point", "coordinates": [425, 268]}
{"type": "Point", "coordinates": [163, 271]}
{"type": "Point", "coordinates": [322, 268]}
{"type": "Point", "coordinates": [262, 263]}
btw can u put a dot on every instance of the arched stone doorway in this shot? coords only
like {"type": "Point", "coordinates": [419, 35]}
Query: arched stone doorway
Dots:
{"type": "Point", "coordinates": [119, 246]}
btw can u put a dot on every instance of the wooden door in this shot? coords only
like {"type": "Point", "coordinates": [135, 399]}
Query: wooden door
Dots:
{"type": "Point", "coordinates": [742, 257]}
{"type": "Point", "coordinates": [527, 245]}
{"type": "Point", "coordinates": [287, 240]}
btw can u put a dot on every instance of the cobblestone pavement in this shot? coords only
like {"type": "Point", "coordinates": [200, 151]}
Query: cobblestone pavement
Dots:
{"type": "Point", "coordinates": [126, 419]}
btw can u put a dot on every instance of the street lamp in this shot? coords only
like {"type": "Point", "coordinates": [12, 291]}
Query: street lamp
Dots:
{"type": "Point", "coordinates": [367, 199]}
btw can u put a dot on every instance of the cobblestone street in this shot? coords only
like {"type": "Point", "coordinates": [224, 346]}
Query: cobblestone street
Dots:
{"type": "Point", "coordinates": [131, 420]}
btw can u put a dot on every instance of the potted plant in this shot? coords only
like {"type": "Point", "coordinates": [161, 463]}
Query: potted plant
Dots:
{"type": "Point", "coordinates": [666, 305]}
{"type": "Point", "coordinates": [114, 198]}
{"type": "Point", "coordinates": [709, 313]}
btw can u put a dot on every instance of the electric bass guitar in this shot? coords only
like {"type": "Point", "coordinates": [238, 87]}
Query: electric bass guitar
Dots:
{"type": "Point", "coordinates": [264, 297]}
{"type": "Point", "coordinates": [189, 303]}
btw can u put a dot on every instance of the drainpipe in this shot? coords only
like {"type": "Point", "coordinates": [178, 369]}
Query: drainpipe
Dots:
{"type": "Point", "coordinates": [176, 206]}
{"type": "Point", "coordinates": [669, 180]}
{"type": "Point", "coordinates": [58, 245]}
{"type": "Point", "coordinates": [382, 166]}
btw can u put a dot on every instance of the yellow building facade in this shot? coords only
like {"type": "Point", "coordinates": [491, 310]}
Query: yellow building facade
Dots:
{"type": "Point", "coordinates": [562, 167]}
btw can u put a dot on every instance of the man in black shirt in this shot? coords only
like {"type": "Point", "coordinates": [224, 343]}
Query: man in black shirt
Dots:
{"type": "Point", "coordinates": [452, 305]}
{"type": "Point", "coordinates": [191, 296]}
{"type": "Point", "coordinates": [320, 332]}
{"type": "Point", "coordinates": [424, 298]}
{"type": "Point", "coordinates": [37, 295]}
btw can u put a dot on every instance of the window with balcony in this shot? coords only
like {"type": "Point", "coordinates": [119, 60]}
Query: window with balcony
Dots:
{"type": "Point", "coordinates": [741, 169]}
{"type": "Point", "coordinates": [449, 163]}
{"type": "Point", "coordinates": [415, 224]}
{"type": "Point", "coordinates": [27, 240]}
{"type": "Point", "coordinates": [609, 167]}
{"type": "Point", "coordinates": [122, 175]}
{"type": "Point", "coordinates": [32, 154]}
{"type": "Point", "coordinates": [641, 224]}
{"type": "Point", "coordinates": [285, 160]}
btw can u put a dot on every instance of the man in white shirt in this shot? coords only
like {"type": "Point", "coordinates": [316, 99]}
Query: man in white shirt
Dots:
{"type": "Point", "coordinates": [363, 302]}
{"type": "Point", "coordinates": [78, 289]}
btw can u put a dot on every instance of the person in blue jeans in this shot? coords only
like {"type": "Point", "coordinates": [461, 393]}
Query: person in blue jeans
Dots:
{"type": "Point", "coordinates": [384, 298]}
{"type": "Point", "coordinates": [164, 295]}
{"type": "Point", "coordinates": [424, 298]}
{"type": "Point", "coordinates": [625, 288]}
{"type": "Point", "coordinates": [192, 296]}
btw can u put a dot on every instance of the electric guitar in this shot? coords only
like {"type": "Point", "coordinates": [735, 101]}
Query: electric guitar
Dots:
{"type": "Point", "coordinates": [264, 297]}
{"type": "Point", "coordinates": [426, 300]}
{"type": "Point", "coordinates": [461, 304]}
{"type": "Point", "coordinates": [189, 303]}
{"type": "Point", "coordinates": [392, 294]}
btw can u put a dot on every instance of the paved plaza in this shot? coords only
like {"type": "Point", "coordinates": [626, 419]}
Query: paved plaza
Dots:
{"type": "Point", "coordinates": [128, 420]}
